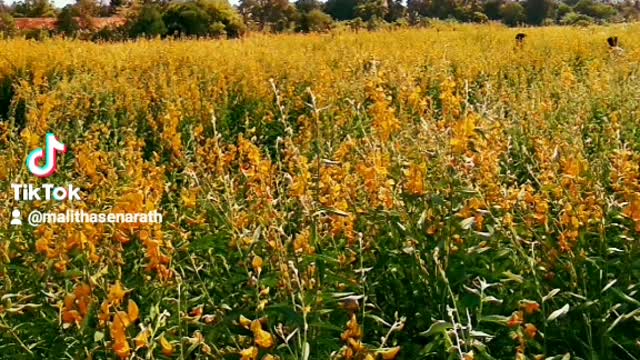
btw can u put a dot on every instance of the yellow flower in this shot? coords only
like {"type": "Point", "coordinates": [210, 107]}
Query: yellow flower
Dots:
{"type": "Point", "coordinates": [142, 339]}
{"type": "Point", "coordinates": [249, 354]}
{"type": "Point", "coordinates": [132, 311]}
{"type": "Point", "coordinates": [262, 338]}
{"type": "Point", "coordinates": [167, 347]}
{"type": "Point", "coordinates": [390, 354]}
{"type": "Point", "coordinates": [257, 264]}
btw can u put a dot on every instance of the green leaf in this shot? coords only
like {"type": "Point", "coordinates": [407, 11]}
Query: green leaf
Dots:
{"type": "Point", "coordinates": [498, 319]}
{"type": "Point", "coordinates": [551, 294]}
{"type": "Point", "coordinates": [98, 336]}
{"type": "Point", "coordinates": [305, 351]}
{"type": "Point", "coordinates": [558, 313]}
{"type": "Point", "coordinates": [437, 327]}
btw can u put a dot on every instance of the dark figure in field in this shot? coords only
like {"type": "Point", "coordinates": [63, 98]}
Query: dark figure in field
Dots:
{"type": "Point", "coordinates": [614, 45]}
{"type": "Point", "coordinates": [520, 38]}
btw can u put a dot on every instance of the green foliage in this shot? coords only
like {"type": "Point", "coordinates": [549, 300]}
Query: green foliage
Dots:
{"type": "Point", "coordinates": [186, 19]}
{"type": "Point", "coordinates": [268, 15]}
{"type": "Point", "coordinates": [375, 23]}
{"type": "Point", "coordinates": [7, 24]}
{"type": "Point", "coordinates": [562, 10]}
{"type": "Point", "coordinates": [538, 10]}
{"type": "Point", "coordinates": [67, 23]}
{"type": "Point", "coordinates": [491, 8]}
{"type": "Point", "coordinates": [109, 34]}
{"type": "Point", "coordinates": [305, 6]}
{"type": "Point", "coordinates": [148, 22]}
{"type": "Point", "coordinates": [34, 8]}
{"type": "Point", "coordinates": [576, 19]}
{"type": "Point", "coordinates": [368, 9]}
{"type": "Point", "coordinates": [315, 21]}
{"type": "Point", "coordinates": [479, 17]}
{"type": "Point", "coordinates": [221, 12]}
{"type": "Point", "coordinates": [512, 13]}
{"type": "Point", "coordinates": [341, 9]}
{"type": "Point", "coordinates": [594, 10]}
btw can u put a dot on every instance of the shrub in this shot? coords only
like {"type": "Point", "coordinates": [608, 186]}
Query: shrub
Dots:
{"type": "Point", "coordinates": [576, 19]}
{"type": "Point", "coordinates": [148, 22]}
{"type": "Point", "coordinates": [562, 10]}
{"type": "Point", "coordinates": [315, 21]}
{"type": "Point", "coordinates": [512, 13]}
{"type": "Point", "coordinates": [375, 23]}
{"type": "Point", "coordinates": [7, 24]}
{"type": "Point", "coordinates": [594, 10]}
{"type": "Point", "coordinates": [221, 12]}
{"type": "Point", "coordinates": [186, 19]}
{"type": "Point", "coordinates": [67, 23]}
{"type": "Point", "coordinates": [491, 9]}
{"type": "Point", "coordinates": [479, 17]}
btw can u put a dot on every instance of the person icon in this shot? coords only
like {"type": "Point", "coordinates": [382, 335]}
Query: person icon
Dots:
{"type": "Point", "coordinates": [16, 217]}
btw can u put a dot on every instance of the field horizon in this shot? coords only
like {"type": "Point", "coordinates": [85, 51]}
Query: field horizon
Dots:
{"type": "Point", "coordinates": [440, 193]}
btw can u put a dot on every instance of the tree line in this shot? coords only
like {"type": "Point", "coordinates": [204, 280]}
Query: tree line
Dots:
{"type": "Point", "coordinates": [218, 18]}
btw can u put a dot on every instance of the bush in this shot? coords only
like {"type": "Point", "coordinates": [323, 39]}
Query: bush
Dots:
{"type": "Point", "coordinates": [37, 34]}
{"type": "Point", "coordinates": [562, 10]}
{"type": "Point", "coordinates": [186, 19]}
{"type": "Point", "coordinates": [67, 24]}
{"type": "Point", "coordinates": [594, 10]}
{"type": "Point", "coordinates": [356, 24]}
{"type": "Point", "coordinates": [491, 9]}
{"type": "Point", "coordinates": [148, 23]}
{"type": "Point", "coordinates": [221, 12]}
{"type": "Point", "coordinates": [109, 34]}
{"type": "Point", "coordinates": [401, 23]}
{"type": "Point", "coordinates": [7, 24]}
{"type": "Point", "coordinates": [479, 17]}
{"type": "Point", "coordinates": [576, 19]}
{"type": "Point", "coordinates": [217, 29]}
{"type": "Point", "coordinates": [512, 13]}
{"type": "Point", "coordinates": [375, 23]}
{"type": "Point", "coordinates": [315, 21]}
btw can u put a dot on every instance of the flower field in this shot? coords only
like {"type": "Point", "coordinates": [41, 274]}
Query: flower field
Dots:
{"type": "Point", "coordinates": [413, 194]}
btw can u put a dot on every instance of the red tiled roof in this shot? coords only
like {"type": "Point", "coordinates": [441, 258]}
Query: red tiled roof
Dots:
{"type": "Point", "coordinates": [36, 23]}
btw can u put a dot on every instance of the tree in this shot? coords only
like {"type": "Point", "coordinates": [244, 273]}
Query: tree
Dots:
{"type": "Point", "coordinates": [86, 10]}
{"type": "Point", "coordinates": [305, 6]}
{"type": "Point", "coordinates": [562, 10]}
{"type": "Point", "coordinates": [538, 10]}
{"type": "Point", "coordinates": [67, 23]}
{"type": "Point", "coordinates": [594, 10]}
{"type": "Point", "coordinates": [574, 18]}
{"type": "Point", "coordinates": [34, 8]}
{"type": "Point", "coordinates": [222, 13]}
{"type": "Point", "coordinates": [186, 19]}
{"type": "Point", "coordinates": [275, 15]}
{"type": "Point", "coordinates": [395, 11]}
{"type": "Point", "coordinates": [341, 9]}
{"type": "Point", "coordinates": [115, 5]}
{"type": "Point", "coordinates": [148, 22]}
{"type": "Point", "coordinates": [7, 24]}
{"type": "Point", "coordinates": [512, 13]}
{"type": "Point", "coordinates": [491, 8]}
{"type": "Point", "coordinates": [419, 7]}
{"type": "Point", "coordinates": [314, 20]}
{"type": "Point", "coordinates": [442, 9]}
{"type": "Point", "coordinates": [368, 9]}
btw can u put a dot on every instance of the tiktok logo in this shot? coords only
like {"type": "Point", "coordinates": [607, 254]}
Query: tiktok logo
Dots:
{"type": "Point", "coordinates": [49, 156]}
